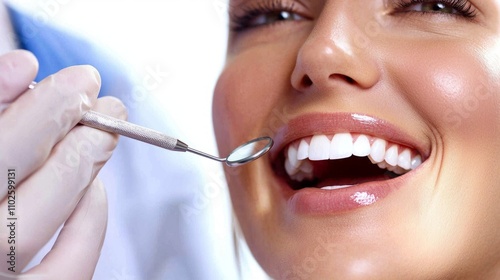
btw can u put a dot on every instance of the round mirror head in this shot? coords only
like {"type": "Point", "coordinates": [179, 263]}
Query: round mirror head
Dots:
{"type": "Point", "coordinates": [249, 151]}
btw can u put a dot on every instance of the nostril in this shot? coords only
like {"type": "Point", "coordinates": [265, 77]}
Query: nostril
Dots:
{"type": "Point", "coordinates": [348, 79]}
{"type": "Point", "coordinates": [306, 81]}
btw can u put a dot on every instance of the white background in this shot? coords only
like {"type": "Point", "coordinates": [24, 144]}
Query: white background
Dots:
{"type": "Point", "coordinates": [185, 40]}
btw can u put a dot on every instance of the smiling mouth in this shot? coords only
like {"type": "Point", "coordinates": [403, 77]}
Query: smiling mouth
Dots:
{"type": "Point", "coordinates": [342, 160]}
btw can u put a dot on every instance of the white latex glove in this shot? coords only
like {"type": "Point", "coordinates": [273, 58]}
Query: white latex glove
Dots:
{"type": "Point", "coordinates": [53, 163]}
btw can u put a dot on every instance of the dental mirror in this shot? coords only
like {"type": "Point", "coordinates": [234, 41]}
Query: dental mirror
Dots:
{"type": "Point", "coordinates": [245, 153]}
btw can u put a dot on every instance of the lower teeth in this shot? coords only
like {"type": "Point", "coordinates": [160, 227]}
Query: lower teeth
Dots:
{"type": "Point", "coordinates": [330, 188]}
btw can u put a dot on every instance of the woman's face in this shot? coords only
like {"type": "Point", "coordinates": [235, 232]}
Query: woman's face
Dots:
{"type": "Point", "coordinates": [413, 86]}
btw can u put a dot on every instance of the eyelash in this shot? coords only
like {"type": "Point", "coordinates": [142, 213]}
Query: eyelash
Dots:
{"type": "Point", "coordinates": [463, 7]}
{"type": "Point", "coordinates": [243, 21]}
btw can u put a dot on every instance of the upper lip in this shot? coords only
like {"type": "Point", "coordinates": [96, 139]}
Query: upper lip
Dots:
{"type": "Point", "coordinates": [331, 123]}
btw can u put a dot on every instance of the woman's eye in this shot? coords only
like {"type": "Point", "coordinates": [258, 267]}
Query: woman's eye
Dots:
{"type": "Point", "coordinates": [434, 7]}
{"type": "Point", "coordinates": [257, 19]}
{"type": "Point", "coordinates": [267, 13]}
{"type": "Point", "coordinates": [273, 17]}
{"type": "Point", "coordinates": [451, 7]}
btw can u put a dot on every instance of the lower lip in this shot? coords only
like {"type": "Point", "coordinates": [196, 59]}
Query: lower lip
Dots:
{"type": "Point", "coordinates": [320, 202]}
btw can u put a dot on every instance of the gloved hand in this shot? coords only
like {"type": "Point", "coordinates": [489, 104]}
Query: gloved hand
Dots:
{"type": "Point", "coordinates": [48, 168]}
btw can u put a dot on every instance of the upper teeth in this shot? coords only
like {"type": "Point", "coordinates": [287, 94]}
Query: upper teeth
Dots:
{"type": "Point", "coordinates": [386, 155]}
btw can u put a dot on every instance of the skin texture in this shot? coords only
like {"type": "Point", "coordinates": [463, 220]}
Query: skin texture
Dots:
{"type": "Point", "coordinates": [434, 76]}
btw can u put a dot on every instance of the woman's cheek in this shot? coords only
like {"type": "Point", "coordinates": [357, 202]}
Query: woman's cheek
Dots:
{"type": "Point", "coordinates": [457, 93]}
{"type": "Point", "coordinates": [222, 114]}
{"type": "Point", "coordinates": [246, 97]}
{"type": "Point", "coordinates": [453, 90]}
{"type": "Point", "coordinates": [471, 104]}
{"type": "Point", "coordinates": [232, 107]}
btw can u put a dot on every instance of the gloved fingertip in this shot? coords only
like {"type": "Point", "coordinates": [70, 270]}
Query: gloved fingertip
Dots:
{"type": "Point", "coordinates": [119, 109]}
{"type": "Point", "coordinates": [112, 106]}
{"type": "Point", "coordinates": [17, 68]}
{"type": "Point", "coordinates": [83, 78]}
{"type": "Point", "coordinates": [24, 55]}
{"type": "Point", "coordinates": [96, 73]}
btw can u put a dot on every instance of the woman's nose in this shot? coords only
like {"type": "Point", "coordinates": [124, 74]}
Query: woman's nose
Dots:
{"type": "Point", "coordinates": [332, 54]}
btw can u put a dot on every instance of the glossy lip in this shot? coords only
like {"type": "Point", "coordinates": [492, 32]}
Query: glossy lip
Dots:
{"type": "Point", "coordinates": [318, 201]}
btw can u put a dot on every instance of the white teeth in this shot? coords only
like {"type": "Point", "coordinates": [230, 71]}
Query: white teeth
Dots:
{"type": "Point", "coordinates": [416, 162]}
{"type": "Point", "coordinates": [391, 155]}
{"type": "Point", "coordinates": [382, 165]}
{"type": "Point", "coordinates": [300, 168]}
{"type": "Point", "coordinates": [303, 172]}
{"type": "Point", "coordinates": [377, 153]}
{"type": "Point", "coordinates": [399, 171]}
{"type": "Point", "coordinates": [341, 146]}
{"type": "Point", "coordinates": [290, 169]}
{"type": "Point", "coordinates": [335, 187]}
{"type": "Point", "coordinates": [404, 159]}
{"type": "Point", "coordinates": [319, 149]}
{"type": "Point", "coordinates": [395, 158]}
{"type": "Point", "coordinates": [303, 150]}
{"type": "Point", "coordinates": [361, 147]}
{"type": "Point", "coordinates": [292, 156]}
